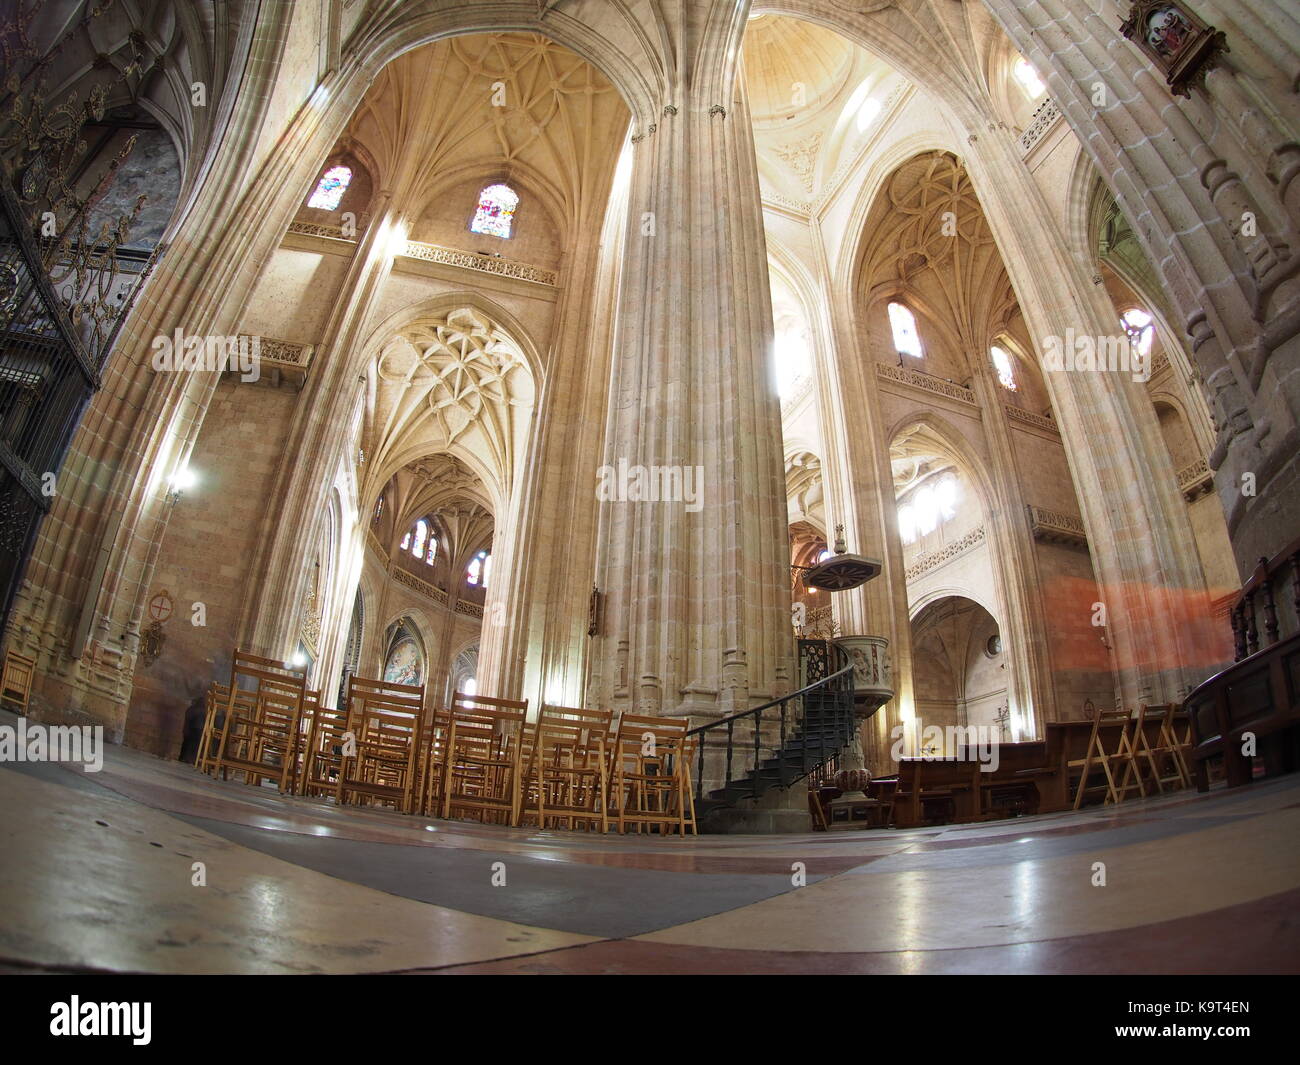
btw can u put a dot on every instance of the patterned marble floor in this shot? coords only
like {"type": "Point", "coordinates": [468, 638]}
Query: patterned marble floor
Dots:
{"type": "Point", "coordinates": [97, 873]}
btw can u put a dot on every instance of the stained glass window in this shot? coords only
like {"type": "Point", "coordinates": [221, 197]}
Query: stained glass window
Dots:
{"type": "Point", "coordinates": [1002, 363]}
{"type": "Point", "coordinates": [421, 534]}
{"type": "Point", "coordinates": [1138, 325]}
{"type": "Point", "coordinates": [479, 568]}
{"type": "Point", "coordinates": [406, 541]}
{"type": "Point", "coordinates": [496, 211]}
{"type": "Point", "coordinates": [333, 184]}
{"type": "Point", "coordinates": [906, 339]}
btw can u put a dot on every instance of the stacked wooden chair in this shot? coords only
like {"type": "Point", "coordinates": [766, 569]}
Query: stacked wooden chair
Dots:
{"type": "Point", "coordinates": [1121, 746]}
{"type": "Point", "coordinates": [650, 781]}
{"type": "Point", "coordinates": [1109, 749]}
{"type": "Point", "coordinates": [256, 722]}
{"type": "Point", "coordinates": [567, 775]}
{"type": "Point", "coordinates": [1164, 760]}
{"type": "Point", "coordinates": [381, 751]}
{"type": "Point", "coordinates": [483, 760]}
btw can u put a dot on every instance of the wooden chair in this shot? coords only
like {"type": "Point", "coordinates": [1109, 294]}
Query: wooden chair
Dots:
{"type": "Point", "coordinates": [1161, 758]}
{"type": "Point", "coordinates": [381, 756]}
{"type": "Point", "coordinates": [483, 768]}
{"type": "Point", "coordinates": [210, 737]}
{"type": "Point", "coordinates": [1107, 725]}
{"type": "Point", "coordinates": [650, 781]}
{"type": "Point", "coordinates": [281, 735]}
{"type": "Point", "coordinates": [260, 716]}
{"type": "Point", "coordinates": [568, 767]}
{"type": "Point", "coordinates": [16, 682]}
{"type": "Point", "coordinates": [326, 739]}
{"type": "Point", "coordinates": [1176, 735]}
{"type": "Point", "coordinates": [433, 761]}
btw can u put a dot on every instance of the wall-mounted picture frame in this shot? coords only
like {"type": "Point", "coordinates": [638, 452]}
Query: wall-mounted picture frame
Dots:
{"type": "Point", "coordinates": [1178, 44]}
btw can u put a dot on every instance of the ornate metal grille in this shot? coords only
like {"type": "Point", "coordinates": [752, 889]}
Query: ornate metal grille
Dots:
{"type": "Point", "coordinates": [66, 281]}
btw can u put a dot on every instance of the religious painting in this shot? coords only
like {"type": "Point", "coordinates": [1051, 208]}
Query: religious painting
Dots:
{"type": "Point", "coordinates": [405, 664]}
{"type": "Point", "coordinates": [1179, 44]}
{"type": "Point", "coordinates": [1168, 31]}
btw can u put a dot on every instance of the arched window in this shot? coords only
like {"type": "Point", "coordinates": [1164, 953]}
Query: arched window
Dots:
{"type": "Point", "coordinates": [1002, 363]}
{"type": "Point", "coordinates": [405, 545]}
{"type": "Point", "coordinates": [431, 552]}
{"type": "Point", "coordinates": [469, 686]}
{"type": "Point", "coordinates": [379, 509]}
{"type": "Point", "coordinates": [907, 341]}
{"type": "Point", "coordinates": [1028, 78]}
{"type": "Point", "coordinates": [1140, 328]}
{"type": "Point", "coordinates": [421, 535]}
{"type": "Point", "coordinates": [333, 184]}
{"type": "Point", "coordinates": [930, 505]}
{"type": "Point", "coordinates": [792, 356]}
{"type": "Point", "coordinates": [480, 566]}
{"type": "Point", "coordinates": [496, 211]}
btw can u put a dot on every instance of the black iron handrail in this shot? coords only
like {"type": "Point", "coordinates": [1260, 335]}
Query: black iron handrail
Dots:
{"type": "Point", "coordinates": [838, 718]}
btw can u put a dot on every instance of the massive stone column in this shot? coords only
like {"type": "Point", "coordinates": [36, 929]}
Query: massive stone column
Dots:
{"type": "Point", "coordinates": [1210, 187]}
{"type": "Point", "coordinates": [696, 590]}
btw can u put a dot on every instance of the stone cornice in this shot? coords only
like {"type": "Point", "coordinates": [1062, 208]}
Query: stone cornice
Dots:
{"type": "Point", "coordinates": [923, 564]}
{"type": "Point", "coordinates": [1195, 480]}
{"type": "Point", "coordinates": [925, 382]}
{"type": "Point", "coordinates": [408, 579]}
{"type": "Point", "coordinates": [488, 264]}
{"type": "Point", "coordinates": [1028, 417]}
{"type": "Point", "coordinates": [1053, 527]}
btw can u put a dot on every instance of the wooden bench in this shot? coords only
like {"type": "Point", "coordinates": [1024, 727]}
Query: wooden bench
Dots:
{"type": "Point", "coordinates": [933, 782]}
{"type": "Point", "coordinates": [1258, 695]}
{"type": "Point", "coordinates": [1014, 787]}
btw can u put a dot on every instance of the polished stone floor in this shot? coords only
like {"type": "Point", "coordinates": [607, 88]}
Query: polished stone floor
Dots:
{"type": "Point", "coordinates": [97, 873]}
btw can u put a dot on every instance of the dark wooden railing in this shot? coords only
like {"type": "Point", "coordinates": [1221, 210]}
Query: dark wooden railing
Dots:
{"type": "Point", "coordinates": [1255, 611]}
{"type": "Point", "coordinates": [1251, 710]}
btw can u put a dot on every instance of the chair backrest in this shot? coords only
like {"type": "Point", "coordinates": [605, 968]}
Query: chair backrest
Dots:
{"type": "Point", "coordinates": [1157, 714]}
{"type": "Point", "coordinates": [462, 701]}
{"type": "Point", "coordinates": [649, 737]}
{"type": "Point", "coordinates": [1108, 718]}
{"type": "Point", "coordinates": [498, 726]}
{"type": "Point", "coordinates": [16, 685]}
{"type": "Point", "coordinates": [382, 712]}
{"type": "Point", "coordinates": [279, 690]}
{"type": "Point", "coordinates": [570, 733]}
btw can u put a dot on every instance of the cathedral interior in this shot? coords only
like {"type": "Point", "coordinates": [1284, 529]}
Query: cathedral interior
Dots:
{"type": "Point", "coordinates": [650, 486]}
